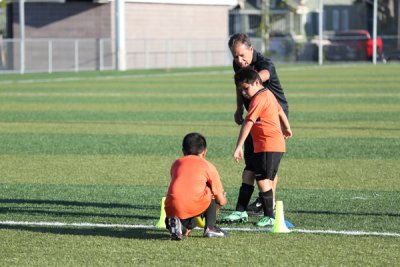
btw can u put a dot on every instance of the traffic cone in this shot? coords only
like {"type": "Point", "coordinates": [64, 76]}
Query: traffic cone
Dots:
{"type": "Point", "coordinates": [161, 222]}
{"type": "Point", "coordinates": [200, 222]}
{"type": "Point", "coordinates": [279, 225]}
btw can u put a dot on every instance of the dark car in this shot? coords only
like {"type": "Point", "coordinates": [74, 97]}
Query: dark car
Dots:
{"type": "Point", "coordinates": [352, 45]}
{"type": "Point", "coordinates": [392, 56]}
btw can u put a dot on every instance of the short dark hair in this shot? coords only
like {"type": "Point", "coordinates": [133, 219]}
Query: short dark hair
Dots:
{"type": "Point", "coordinates": [194, 144]}
{"type": "Point", "coordinates": [241, 38]}
{"type": "Point", "coordinates": [247, 75]}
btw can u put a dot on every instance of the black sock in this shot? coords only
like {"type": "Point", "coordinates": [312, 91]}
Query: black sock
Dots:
{"type": "Point", "coordinates": [245, 193]}
{"type": "Point", "coordinates": [211, 214]}
{"type": "Point", "coordinates": [267, 201]}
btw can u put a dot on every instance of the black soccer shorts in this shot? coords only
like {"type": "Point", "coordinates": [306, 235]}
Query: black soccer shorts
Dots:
{"type": "Point", "coordinates": [266, 165]}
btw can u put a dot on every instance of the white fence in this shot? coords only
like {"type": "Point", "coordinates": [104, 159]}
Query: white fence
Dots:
{"type": "Point", "coordinates": [55, 55]}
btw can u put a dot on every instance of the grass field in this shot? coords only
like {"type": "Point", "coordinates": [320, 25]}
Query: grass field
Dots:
{"type": "Point", "coordinates": [96, 148]}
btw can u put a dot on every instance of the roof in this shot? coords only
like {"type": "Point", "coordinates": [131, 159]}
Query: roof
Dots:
{"type": "Point", "coordinates": [178, 2]}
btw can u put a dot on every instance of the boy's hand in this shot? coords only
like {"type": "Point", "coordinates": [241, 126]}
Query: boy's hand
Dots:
{"type": "Point", "coordinates": [219, 206]}
{"type": "Point", "coordinates": [287, 133]}
{"type": "Point", "coordinates": [238, 154]}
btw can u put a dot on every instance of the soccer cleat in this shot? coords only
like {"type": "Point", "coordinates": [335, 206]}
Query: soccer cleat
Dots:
{"type": "Point", "coordinates": [175, 228]}
{"type": "Point", "coordinates": [265, 221]}
{"type": "Point", "coordinates": [214, 232]}
{"type": "Point", "coordinates": [255, 208]}
{"type": "Point", "coordinates": [236, 216]}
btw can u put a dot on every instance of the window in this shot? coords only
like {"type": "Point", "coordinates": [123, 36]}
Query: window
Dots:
{"type": "Point", "coordinates": [335, 20]}
{"type": "Point", "coordinates": [345, 20]}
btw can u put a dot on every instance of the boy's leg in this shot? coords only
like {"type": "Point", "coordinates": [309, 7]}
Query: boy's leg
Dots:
{"type": "Point", "coordinates": [267, 164]}
{"type": "Point", "coordinates": [179, 228]}
{"type": "Point", "coordinates": [211, 230]}
{"type": "Point", "coordinates": [211, 214]}
{"type": "Point", "coordinates": [174, 227]}
{"type": "Point", "coordinates": [266, 196]}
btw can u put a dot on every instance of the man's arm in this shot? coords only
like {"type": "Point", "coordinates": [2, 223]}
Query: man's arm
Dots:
{"type": "Point", "coordinates": [244, 132]}
{"type": "Point", "coordinates": [264, 75]}
{"type": "Point", "coordinates": [238, 116]}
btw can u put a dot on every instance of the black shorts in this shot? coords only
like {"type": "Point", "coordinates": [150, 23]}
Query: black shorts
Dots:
{"type": "Point", "coordinates": [249, 150]}
{"type": "Point", "coordinates": [266, 165]}
{"type": "Point", "coordinates": [249, 153]}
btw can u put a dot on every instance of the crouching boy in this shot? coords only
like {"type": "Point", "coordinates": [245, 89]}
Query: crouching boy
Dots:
{"type": "Point", "coordinates": [195, 190]}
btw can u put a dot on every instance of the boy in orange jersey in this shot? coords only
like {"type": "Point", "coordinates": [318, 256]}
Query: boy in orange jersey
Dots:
{"type": "Point", "coordinates": [195, 190]}
{"type": "Point", "coordinates": [269, 127]}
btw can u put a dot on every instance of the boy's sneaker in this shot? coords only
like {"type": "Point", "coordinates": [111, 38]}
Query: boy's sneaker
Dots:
{"type": "Point", "coordinates": [236, 216]}
{"type": "Point", "coordinates": [265, 221]}
{"type": "Point", "coordinates": [175, 228]}
{"type": "Point", "coordinates": [214, 232]}
{"type": "Point", "coordinates": [255, 208]}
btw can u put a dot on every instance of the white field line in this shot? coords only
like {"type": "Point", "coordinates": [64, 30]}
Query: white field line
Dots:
{"type": "Point", "coordinates": [143, 226]}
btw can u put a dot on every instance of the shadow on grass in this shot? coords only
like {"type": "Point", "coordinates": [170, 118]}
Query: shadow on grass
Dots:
{"type": "Point", "coordinates": [72, 213]}
{"type": "Point", "coordinates": [104, 232]}
{"type": "Point", "coordinates": [75, 209]}
{"type": "Point", "coordinates": [76, 203]}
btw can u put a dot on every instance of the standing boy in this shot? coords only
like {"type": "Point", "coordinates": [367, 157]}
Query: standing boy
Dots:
{"type": "Point", "coordinates": [244, 55]}
{"type": "Point", "coordinates": [195, 190]}
{"type": "Point", "coordinates": [264, 119]}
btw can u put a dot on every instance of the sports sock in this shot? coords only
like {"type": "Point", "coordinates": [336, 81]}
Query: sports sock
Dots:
{"type": "Point", "coordinates": [211, 214]}
{"type": "Point", "coordinates": [245, 193]}
{"type": "Point", "coordinates": [267, 201]}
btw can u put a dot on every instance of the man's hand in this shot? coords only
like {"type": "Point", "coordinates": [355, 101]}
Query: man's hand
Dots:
{"type": "Point", "coordinates": [239, 116]}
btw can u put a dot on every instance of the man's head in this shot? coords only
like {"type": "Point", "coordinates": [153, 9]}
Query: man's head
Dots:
{"type": "Point", "coordinates": [241, 49]}
{"type": "Point", "coordinates": [194, 144]}
{"type": "Point", "coordinates": [248, 81]}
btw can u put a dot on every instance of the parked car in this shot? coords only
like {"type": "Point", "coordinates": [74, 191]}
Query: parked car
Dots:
{"type": "Point", "coordinates": [282, 46]}
{"type": "Point", "coordinates": [392, 56]}
{"type": "Point", "coordinates": [352, 45]}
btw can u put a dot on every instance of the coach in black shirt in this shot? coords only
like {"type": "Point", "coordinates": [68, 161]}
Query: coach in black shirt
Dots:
{"type": "Point", "coordinates": [245, 56]}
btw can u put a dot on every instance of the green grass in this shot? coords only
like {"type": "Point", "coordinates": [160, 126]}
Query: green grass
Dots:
{"type": "Point", "coordinates": [96, 147]}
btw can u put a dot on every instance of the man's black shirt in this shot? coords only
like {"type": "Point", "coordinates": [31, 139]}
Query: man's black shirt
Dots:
{"type": "Point", "coordinates": [260, 63]}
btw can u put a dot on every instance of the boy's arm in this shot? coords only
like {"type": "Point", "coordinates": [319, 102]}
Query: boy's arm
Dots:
{"type": "Point", "coordinates": [244, 132]}
{"type": "Point", "coordinates": [287, 132]}
{"type": "Point", "coordinates": [221, 199]}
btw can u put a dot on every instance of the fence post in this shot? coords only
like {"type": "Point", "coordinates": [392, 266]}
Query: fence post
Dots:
{"type": "Point", "coordinates": [50, 47]}
{"type": "Point", "coordinates": [189, 53]}
{"type": "Point", "coordinates": [101, 54]}
{"type": "Point", "coordinates": [76, 55]}
{"type": "Point", "coordinates": [320, 31]}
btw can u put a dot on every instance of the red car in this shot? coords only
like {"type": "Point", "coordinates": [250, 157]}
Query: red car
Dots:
{"type": "Point", "coordinates": [352, 45]}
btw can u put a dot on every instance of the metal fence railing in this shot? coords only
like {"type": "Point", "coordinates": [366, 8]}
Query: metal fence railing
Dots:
{"type": "Point", "coordinates": [55, 55]}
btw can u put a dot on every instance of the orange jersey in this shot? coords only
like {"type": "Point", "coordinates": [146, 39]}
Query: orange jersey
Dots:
{"type": "Point", "coordinates": [189, 194]}
{"type": "Point", "coordinates": [266, 132]}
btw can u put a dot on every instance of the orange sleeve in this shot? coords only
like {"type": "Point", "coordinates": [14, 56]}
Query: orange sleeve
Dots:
{"type": "Point", "coordinates": [254, 110]}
